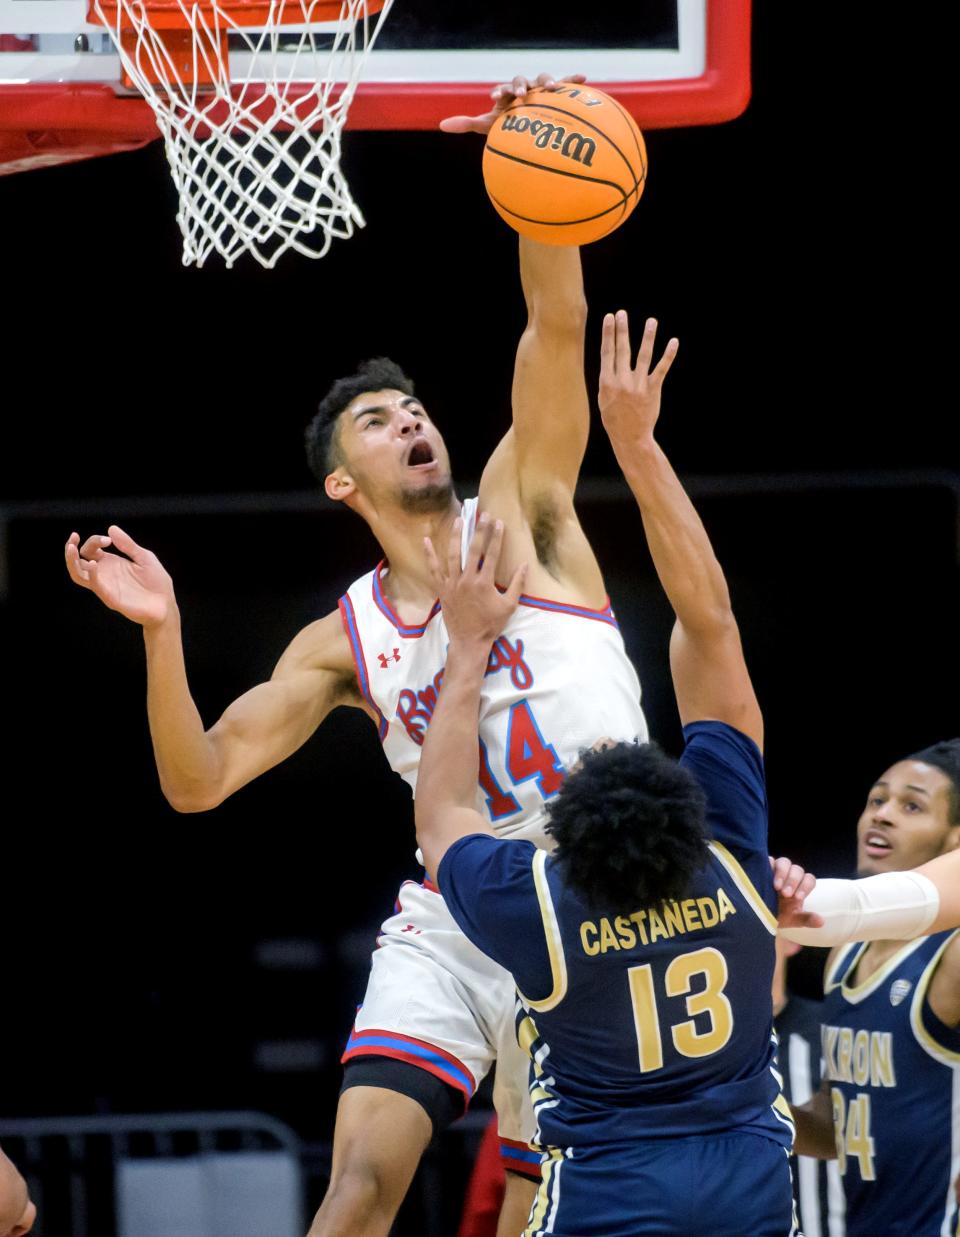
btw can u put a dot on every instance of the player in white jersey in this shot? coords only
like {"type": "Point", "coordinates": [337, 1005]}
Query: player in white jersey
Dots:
{"type": "Point", "coordinates": [550, 656]}
{"type": "Point", "coordinates": [436, 1010]}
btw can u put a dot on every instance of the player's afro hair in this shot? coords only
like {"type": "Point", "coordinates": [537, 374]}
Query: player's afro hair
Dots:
{"type": "Point", "coordinates": [945, 756]}
{"type": "Point", "coordinates": [377, 374]}
{"type": "Point", "coordinates": [630, 827]}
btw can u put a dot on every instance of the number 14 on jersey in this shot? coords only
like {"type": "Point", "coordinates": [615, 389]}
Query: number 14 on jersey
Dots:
{"type": "Point", "coordinates": [526, 755]}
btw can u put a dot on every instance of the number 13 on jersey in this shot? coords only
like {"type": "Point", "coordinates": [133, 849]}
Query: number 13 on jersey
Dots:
{"type": "Point", "coordinates": [526, 755]}
{"type": "Point", "coordinates": [710, 1000]}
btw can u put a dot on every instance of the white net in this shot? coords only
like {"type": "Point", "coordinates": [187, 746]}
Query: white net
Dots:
{"type": "Point", "coordinates": [253, 134]}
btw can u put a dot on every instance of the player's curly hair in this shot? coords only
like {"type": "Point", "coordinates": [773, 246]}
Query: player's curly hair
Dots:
{"type": "Point", "coordinates": [377, 374]}
{"type": "Point", "coordinates": [630, 827]}
{"type": "Point", "coordinates": [945, 756]}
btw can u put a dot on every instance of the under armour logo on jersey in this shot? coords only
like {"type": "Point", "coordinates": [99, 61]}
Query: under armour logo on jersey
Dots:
{"type": "Point", "coordinates": [899, 990]}
{"type": "Point", "coordinates": [388, 657]}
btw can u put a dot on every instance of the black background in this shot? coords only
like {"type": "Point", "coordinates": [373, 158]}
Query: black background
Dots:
{"type": "Point", "coordinates": [797, 252]}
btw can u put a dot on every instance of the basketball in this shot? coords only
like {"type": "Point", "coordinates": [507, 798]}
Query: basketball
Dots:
{"type": "Point", "coordinates": [565, 166]}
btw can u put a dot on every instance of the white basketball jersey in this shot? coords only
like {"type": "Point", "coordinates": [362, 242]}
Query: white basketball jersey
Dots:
{"type": "Point", "coordinates": [558, 679]}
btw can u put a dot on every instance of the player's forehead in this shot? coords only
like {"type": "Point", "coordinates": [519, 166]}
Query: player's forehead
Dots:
{"type": "Point", "coordinates": [386, 401]}
{"type": "Point", "coordinates": [914, 777]}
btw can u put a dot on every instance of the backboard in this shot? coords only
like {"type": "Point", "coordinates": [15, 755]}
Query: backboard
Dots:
{"type": "Point", "coordinates": [670, 62]}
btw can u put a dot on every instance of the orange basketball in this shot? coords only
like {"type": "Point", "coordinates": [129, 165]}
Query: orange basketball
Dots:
{"type": "Point", "coordinates": [565, 166]}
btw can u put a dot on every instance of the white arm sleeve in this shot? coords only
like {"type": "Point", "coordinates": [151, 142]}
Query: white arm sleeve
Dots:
{"type": "Point", "coordinates": [894, 906]}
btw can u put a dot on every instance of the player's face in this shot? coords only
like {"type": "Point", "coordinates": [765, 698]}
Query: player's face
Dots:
{"type": "Point", "coordinates": [394, 451]}
{"type": "Point", "coordinates": [906, 820]}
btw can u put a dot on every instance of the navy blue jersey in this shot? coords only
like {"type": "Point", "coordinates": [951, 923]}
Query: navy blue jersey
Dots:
{"type": "Point", "coordinates": [894, 1074]}
{"type": "Point", "coordinates": [642, 1022]}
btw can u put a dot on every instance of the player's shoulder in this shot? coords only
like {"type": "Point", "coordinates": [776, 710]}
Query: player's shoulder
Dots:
{"type": "Point", "coordinates": [718, 745]}
{"type": "Point", "coordinates": [321, 645]}
{"type": "Point", "coordinates": [505, 857]}
{"type": "Point", "coordinates": [481, 864]}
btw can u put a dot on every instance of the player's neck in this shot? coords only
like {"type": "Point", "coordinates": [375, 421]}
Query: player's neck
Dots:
{"type": "Point", "coordinates": [407, 581]}
{"type": "Point", "coordinates": [876, 955]}
{"type": "Point", "coordinates": [883, 950]}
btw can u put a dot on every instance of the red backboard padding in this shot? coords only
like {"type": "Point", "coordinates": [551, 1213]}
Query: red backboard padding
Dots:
{"type": "Point", "coordinates": [43, 123]}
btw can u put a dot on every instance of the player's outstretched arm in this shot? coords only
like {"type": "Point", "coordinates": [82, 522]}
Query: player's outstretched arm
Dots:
{"type": "Point", "coordinates": [199, 768]}
{"type": "Point", "coordinates": [475, 613]}
{"type": "Point", "coordinates": [709, 671]}
{"type": "Point", "coordinates": [551, 409]}
{"type": "Point", "coordinates": [890, 906]}
{"type": "Point", "coordinates": [533, 473]}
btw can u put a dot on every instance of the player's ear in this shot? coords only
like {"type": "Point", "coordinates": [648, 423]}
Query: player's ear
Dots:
{"type": "Point", "coordinates": [339, 485]}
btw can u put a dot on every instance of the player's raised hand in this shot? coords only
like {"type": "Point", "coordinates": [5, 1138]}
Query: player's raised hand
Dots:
{"type": "Point", "coordinates": [630, 394]}
{"type": "Point", "coordinates": [503, 96]}
{"type": "Point", "coordinates": [133, 582]}
{"type": "Point", "coordinates": [475, 610]}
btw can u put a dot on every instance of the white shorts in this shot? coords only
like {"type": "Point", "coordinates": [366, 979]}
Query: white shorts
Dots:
{"type": "Point", "coordinates": [435, 1001]}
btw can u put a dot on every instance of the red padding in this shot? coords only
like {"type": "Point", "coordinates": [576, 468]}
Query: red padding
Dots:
{"type": "Point", "coordinates": [33, 149]}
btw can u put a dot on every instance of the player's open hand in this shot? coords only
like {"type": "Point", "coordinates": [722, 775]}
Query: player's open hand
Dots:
{"type": "Point", "coordinates": [503, 96]}
{"type": "Point", "coordinates": [133, 582]}
{"type": "Point", "coordinates": [475, 610]}
{"type": "Point", "coordinates": [630, 394]}
{"type": "Point", "coordinates": [792, 884]}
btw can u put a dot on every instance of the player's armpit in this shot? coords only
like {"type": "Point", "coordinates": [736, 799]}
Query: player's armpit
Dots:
{"type": "Point", "coordinates": [814, 1121]}
{"type": "Point", "coordinates": [270, 721]}
{"type": "Point", "coordinates": [943, 994]}
{"type": "Point", "coordinates": [543, 530]}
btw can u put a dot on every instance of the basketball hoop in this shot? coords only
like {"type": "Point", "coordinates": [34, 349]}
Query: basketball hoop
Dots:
{"type": "Point", "coordinates": [252, 135]}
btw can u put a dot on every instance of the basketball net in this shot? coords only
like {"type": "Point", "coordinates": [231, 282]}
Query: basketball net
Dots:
{"type": "Point", "coordinates": [254, 154]}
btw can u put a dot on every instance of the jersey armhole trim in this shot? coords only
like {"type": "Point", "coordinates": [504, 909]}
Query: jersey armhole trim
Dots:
{"type": "Point", "coordinates": [602, 615]}
{"type": "Point", "coordinates": [746, 886]}
{"type": "Point", "coordinates": [926, 1041]}
{"type": "Point", "coordinates": [551, 933]}
{"type": "Point", "coordinates": [349, 620]}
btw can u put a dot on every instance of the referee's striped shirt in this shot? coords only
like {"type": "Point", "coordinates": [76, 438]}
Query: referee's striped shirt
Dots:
{"type": "Point", "coordinates": [816, 1183]}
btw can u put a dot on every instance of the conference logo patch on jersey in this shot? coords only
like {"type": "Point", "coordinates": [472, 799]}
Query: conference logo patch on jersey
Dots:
{"type": "Point", "coordinates": [386, 658]}
{"type": "Point", "coordinates": [900, 990]}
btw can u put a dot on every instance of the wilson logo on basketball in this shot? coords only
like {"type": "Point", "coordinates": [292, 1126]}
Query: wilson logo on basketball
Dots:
{"type": "Point", "coordinates": [573, 145]}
